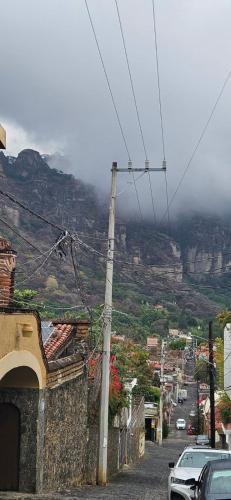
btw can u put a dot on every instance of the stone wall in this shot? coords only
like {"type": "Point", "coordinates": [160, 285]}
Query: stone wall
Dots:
{"type": "Point", "coordinates": [125, 444]}
{"type": "Point", "coordinates": [26, 400]}
{"type": "Point", "coordinates": [65, 436]}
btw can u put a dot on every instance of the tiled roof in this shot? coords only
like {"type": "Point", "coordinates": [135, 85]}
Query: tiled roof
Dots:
{"type": "Point", "coordinates": [57, 339]}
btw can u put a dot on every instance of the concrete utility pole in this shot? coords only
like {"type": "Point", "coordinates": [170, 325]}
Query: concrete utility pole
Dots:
{"type": "Point", "coordinates": [161, 394]}
{"type": "Point", "coordinates": [211, 382]}
{"type": "Point", "coordinates": [102, 467]}
{"type": "Point", "coordinates": [104, 401]}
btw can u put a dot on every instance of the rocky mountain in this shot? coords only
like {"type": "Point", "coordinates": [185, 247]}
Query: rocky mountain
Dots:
{"type": "Point", "coordinates": [184, 268]}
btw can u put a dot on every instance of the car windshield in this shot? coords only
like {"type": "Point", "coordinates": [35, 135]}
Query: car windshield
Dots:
{"type": "Point", "coordinates": [199, 459]}
{"type": "Point", "coordinates": [180, 421]}
{"type": "Point", "coordinates": [221, 482]}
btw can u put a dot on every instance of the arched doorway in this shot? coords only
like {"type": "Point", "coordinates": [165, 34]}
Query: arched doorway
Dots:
{"type": "Point", "coordinates": [19, 398]}
{"type": "Point", "coordinates": [10, 446]}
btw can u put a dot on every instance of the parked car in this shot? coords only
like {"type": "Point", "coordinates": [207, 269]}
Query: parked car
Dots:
{"type": "Point", "coordinates": [189, 466]}
{"type": "Point", "coordinates": [180, 424]}
{"type": "Point", "coordinates": [202, 439]}
{"type": "Point", "coordinates": [192, 413]}
{"type": "Point", "coordinates": [214, 481]}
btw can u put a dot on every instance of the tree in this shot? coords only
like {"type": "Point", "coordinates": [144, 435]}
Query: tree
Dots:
{"type": "Point", "coordinates": [24, 297]}
{"type": "Point", "coordinates": [201, 371]}
{"type": "Point", "coordinates": [177, 344]}
{"type": "Point", "coordinates": [224, 407]}
{"type": "Point", "coordinates": [224, 317]}
{"type": "Point", "coordinates": [219, 343]}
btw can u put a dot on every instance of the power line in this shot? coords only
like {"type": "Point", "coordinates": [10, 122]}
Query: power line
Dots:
{"type": "Point", "coordinates": [152, 198]}
{"type": "Point", "coordinates": [131, 80]}
{"type": "Point", "coordinates": [167, 197]}
{"type": "Point", "coordinates": [78, 280]}
{"type": "Point", "coordinates": [199, 140]}
{"type": "Point", "coordinates": [29, 210]}
{"type": "Point", "coordinates": [137, 196]}
{"type": "Point", "coordinates": [107, 80]}
{"type": "Point", "coordinates": [160, 108]}
{"type": "Point", "coordinates": [158, 79]}
{"type": "Point", "coordinates": [20, 235]}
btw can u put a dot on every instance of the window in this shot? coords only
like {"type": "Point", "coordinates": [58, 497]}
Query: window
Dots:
{"type": "Point", "coordinates": [197, 460]}
{"type": "Point", "coordinates": [221, 482]}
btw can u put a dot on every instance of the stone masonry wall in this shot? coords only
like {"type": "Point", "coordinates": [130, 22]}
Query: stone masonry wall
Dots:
{"type": "Point", "coordinates": [65, 435]}
{"type": "Point", "coordinates": [26, 400]}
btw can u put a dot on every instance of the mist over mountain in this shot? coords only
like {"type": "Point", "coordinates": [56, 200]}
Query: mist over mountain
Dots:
{"type": "Point", "coordinates": [54, 95]}
{"type": "Point", "coordinates": [187, 264]}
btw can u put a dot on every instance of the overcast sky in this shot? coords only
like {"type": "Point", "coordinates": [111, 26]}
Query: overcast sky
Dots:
{"type": "Point", "coordinates": [54, 97]}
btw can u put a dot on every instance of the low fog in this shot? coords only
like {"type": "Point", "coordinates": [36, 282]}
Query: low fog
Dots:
{"type": "Point", "coordinates": [54, 96]}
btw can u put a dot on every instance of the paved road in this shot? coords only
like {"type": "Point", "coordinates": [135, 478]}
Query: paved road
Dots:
{"type": "Point", "coordinates": [145, 481]}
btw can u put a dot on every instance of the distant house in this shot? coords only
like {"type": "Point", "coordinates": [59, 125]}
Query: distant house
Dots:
{"type": "Point", "coordinates": [173, 332]}
{"type": "Point", "coordinates": [152, 342]}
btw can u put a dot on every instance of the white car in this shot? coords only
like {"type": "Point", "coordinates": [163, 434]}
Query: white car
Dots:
{"type": "Point", "coordinates": [180, 424]}
{"type": "Point", "coordinates": [188, 466]}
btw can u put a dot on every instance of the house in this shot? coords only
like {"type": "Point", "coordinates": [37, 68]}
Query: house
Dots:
{"type": "Point", "coordinates": [49, 399]}
{"type": "Point", "coordinates": [43, 395]}
{"type": "Point", "coordinates": [152, 342]}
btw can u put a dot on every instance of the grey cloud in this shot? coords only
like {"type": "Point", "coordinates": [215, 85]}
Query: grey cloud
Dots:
{"type": "Point", "coordinates": [53, 86]}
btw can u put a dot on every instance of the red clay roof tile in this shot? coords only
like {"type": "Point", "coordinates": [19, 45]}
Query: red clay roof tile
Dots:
{"type": "Point", "coordinates": [57, 339]}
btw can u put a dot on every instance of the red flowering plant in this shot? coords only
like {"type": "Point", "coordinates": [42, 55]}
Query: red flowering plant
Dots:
{"type": "Point", "coordinates": [117, 396]}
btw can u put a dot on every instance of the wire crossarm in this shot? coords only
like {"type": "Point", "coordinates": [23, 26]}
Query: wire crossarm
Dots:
{"type": "Point", "coordinates": [161, 169]}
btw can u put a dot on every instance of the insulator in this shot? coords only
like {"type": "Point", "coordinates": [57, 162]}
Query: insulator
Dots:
{"type": "Point", "coordinates": [146, 164]}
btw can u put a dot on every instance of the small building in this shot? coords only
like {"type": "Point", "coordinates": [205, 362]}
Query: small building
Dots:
{"type": "Point", "coordinates": [152, 343]}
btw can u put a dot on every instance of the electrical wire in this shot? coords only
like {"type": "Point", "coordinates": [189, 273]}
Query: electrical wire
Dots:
{"type": "Point", "coordinates": [160, 109]}
{"type": "Point", "coordinates": [29, 210]}
{"type": "Point", "coordinates": [152, 198]}
{"type": "Point", "coordinates": [78, 280]}
{"type": "Point", "coordinates": [135, 104]}
{"type": "Point", "coordinates": [20, 235]}
{"type": "Point", "coordinates": [188, 164]}
{"type": "Point", "coordinates": [167, 197]}
{"type": "Point", "coordinates": [108, 81]}
{"type": "Point", "coordinates": [158, 78]}
{"type": "Point", "coordinates": [137, 197]}
{"type": "Point", "coordinates": [41, 265]}
{"type": "Point", "coordinates": [131, 79]}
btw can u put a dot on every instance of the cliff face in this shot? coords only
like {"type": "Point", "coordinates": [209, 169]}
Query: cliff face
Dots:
{"type": "Point", "coordinates": [198, 247]}
{"type": "Point", "coordinates": [205, 243]}
{"type": "Point", "coordinates": [48, 191]}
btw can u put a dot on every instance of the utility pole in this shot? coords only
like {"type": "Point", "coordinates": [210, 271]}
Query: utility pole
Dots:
{"type": "Point", "coordinates": [198, 409]}
{"type": "Point", "coordinates": [211, 382]}
{"type": "Point", "coordinates": [161, 394]}
{"type": "Point", "coordinates": [103, 433]}
{"type": "Point", "coordinates": [104, 401]}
